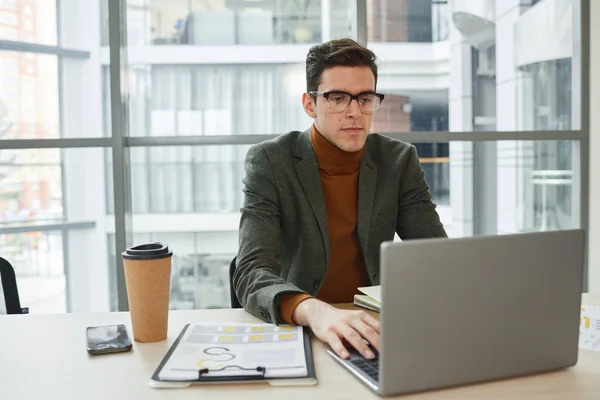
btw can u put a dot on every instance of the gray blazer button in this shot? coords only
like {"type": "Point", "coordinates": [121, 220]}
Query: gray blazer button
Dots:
{"type": "Point", "coordinates": [316, 284]}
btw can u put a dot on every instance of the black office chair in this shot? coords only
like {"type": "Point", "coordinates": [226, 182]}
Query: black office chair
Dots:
{"type": "Point", "coordinates": [234, 300]}
{"type": "Point", "coordinates": [9, 287]}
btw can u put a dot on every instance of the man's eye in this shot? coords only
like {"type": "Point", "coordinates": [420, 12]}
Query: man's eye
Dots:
{"type": "Point", "coordinates": [366, 100]}
{"type": "Point", "coordinates": [337, 99]}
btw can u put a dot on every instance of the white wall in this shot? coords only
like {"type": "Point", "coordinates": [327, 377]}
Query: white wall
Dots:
{"type": "Point", "coordinates": [594, 231]}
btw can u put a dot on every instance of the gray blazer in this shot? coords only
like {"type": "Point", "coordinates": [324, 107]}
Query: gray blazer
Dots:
{"type": "Point", "coordinates": [284, 238]}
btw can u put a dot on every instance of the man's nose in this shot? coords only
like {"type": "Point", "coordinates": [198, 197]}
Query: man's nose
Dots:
{"type": "Point", "coordinates": [353, 108]}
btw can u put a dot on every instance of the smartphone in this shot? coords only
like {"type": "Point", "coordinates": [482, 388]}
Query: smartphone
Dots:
{"type": "Point", "coordinates": [107, 339]}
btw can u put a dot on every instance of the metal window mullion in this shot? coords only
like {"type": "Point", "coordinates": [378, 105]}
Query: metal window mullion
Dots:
{"type": "Point", "coordinates": [119, 123]}
{"type": "Point", "coordinates": [59, 38]}
{"type": "Point", "coordinates": [361, 22]}
{"type": "Point", "coordinates": [66, 268]}
{"type": "Point", "coordinates": [194, 84]}
{"type": "Point", "coordinates": [411, 137]}
{"type": "Point", "coordinates": [63, 143]}
{"type": "Point", "coordinates": [35, 48]}
{"type": "Point", "coordinates": [62, 226]}
{"type": "Point", "coordinates": [61, 130]}
{"type": "Point", "coordinates": [148, 174]}
{"type": "Point", "coordinates": [64, 229]}
{"type": "Point", "coordinates": [581, 18]}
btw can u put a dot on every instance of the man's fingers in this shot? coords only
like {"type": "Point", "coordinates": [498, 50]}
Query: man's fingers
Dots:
{"type": "Point", "coordinates": [356, 340]}
{"type": "Point", "coordinates": [345, 329]}
{"type": "Point", "coordinates": [367, 332]}
{"type": "Point", "coordinates": [369, 320]}
{"type": "Point", "coordinates": [336, 344]}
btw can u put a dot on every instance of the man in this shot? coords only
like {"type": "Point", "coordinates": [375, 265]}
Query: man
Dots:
{"type": "Point", "coordinates": [318, 204]}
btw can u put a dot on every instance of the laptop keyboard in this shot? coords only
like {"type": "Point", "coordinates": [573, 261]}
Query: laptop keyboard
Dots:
{"type": "Point", "coordinates": [369, 367]}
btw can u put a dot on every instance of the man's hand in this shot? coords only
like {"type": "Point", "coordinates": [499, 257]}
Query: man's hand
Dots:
{"type": "Point", "coordinates": [333, 326]}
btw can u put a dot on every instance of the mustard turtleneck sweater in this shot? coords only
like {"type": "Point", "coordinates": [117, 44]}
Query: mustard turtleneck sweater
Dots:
{"type": "Point", "coordinates": [346, 270]}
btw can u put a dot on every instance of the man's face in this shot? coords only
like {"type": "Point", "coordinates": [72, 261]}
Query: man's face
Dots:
{"type": "Point", "coordinates": [347, 130]}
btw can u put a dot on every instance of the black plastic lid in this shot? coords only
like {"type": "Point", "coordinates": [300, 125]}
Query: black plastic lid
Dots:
{"type": "Point", "coordinates": [150, 251]}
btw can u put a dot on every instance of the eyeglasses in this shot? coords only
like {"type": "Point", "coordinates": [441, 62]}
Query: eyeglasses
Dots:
{"type": "Point", "coordinates": [339, 101]}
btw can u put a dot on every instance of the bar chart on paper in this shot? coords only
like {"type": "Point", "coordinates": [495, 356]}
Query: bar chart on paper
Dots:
{"type": "Point", "coordinates": [237, 350]}
{"type": "Point", "coordinates": [589, 328]}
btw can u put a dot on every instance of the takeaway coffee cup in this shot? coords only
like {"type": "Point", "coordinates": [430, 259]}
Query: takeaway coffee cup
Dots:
{"type": "Point", "coordinates": [148, 280]}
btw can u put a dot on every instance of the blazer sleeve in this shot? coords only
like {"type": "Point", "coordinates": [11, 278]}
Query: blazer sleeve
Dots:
{"type": "Point", "coordinates": [417, 215]}
{"type": "Point", "coordinates": [257, 278]}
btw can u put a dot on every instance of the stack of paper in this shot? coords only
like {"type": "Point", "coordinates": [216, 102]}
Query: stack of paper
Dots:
{"type": "Point", "coordinates": [589, 328]}
{"type": "Point", "coordinates": [371, 299]}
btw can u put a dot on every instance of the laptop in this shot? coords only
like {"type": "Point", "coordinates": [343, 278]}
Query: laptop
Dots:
{"type": "Point", "coordinates": [466, 310]}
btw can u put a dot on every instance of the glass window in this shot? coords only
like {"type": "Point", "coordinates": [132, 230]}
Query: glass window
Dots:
{"type": "Point", "coordinates": [32, 21]}
{"type": "Point", "coordinates": [8, 18]}
{"type": "Point", "coordinates": [41, 191]}
{"type": "Point", "coordinates": [342, 16]}
{"type": "Point", "coordinates": [496, 75]}
{"type": "Point", "coordinates": [31, 185]}
{"type": "Point", "coordinates": [31, 96]}
{"type": "Point", "coordinates": [8, 33]}
{"type": "Point", "coordinates": [194, 194]}
{"type": "Point", "coordinates": [225, 99]}
{"type": "Point", "coordinates": [407, 20]}
{"type": "Point", "coordinates": [499, 75]}
{"type": "Point", "coordinates": [231, 22]}
{"type": "Point", "coordinates": [190, 198]}
{"type": "Point", "coordinates": [183, 179]}
{"type": "Point", "coordinates": [83, 91]}
{"type": "Point", "coordinates": [37, 258]}
{"type": "Point", "coordinates": [29, 99]}
{"type": "Point", "coordinates": [513, 186]}
{"type": "Point", "coordinates": [9, 4]}
{"type": "Point", "coordinates": [199, 267]}
{"type": "Point", "coordinates": [545, 91]}
{"type": "Point", "coordinates": [231, 90]}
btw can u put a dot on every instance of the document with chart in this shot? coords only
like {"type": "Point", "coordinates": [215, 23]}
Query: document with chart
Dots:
{"type": "Point", "coordinates": [215, 351]}
{"type": "Point", "coordinates": [589, 328]}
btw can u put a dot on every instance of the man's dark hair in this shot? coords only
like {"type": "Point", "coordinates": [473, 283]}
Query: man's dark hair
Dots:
{"type": "Point", "coordinates": [338, 52]}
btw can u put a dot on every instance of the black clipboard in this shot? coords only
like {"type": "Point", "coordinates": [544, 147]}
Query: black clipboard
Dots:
{"type": "Point", "coordinates": [259, 375]}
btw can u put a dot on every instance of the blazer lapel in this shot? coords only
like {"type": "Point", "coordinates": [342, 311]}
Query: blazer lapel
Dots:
{"type": "Point", "coordinates": [308, 173]}
{"type": "Point", "coordinates": [367, 183]}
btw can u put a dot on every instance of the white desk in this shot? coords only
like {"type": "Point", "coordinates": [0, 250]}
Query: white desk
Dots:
{"type": "Point", "coordinates": [44, 357]}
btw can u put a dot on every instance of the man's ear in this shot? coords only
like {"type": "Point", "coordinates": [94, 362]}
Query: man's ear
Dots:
{"type": "Point", "coordinates": [309, 105]}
